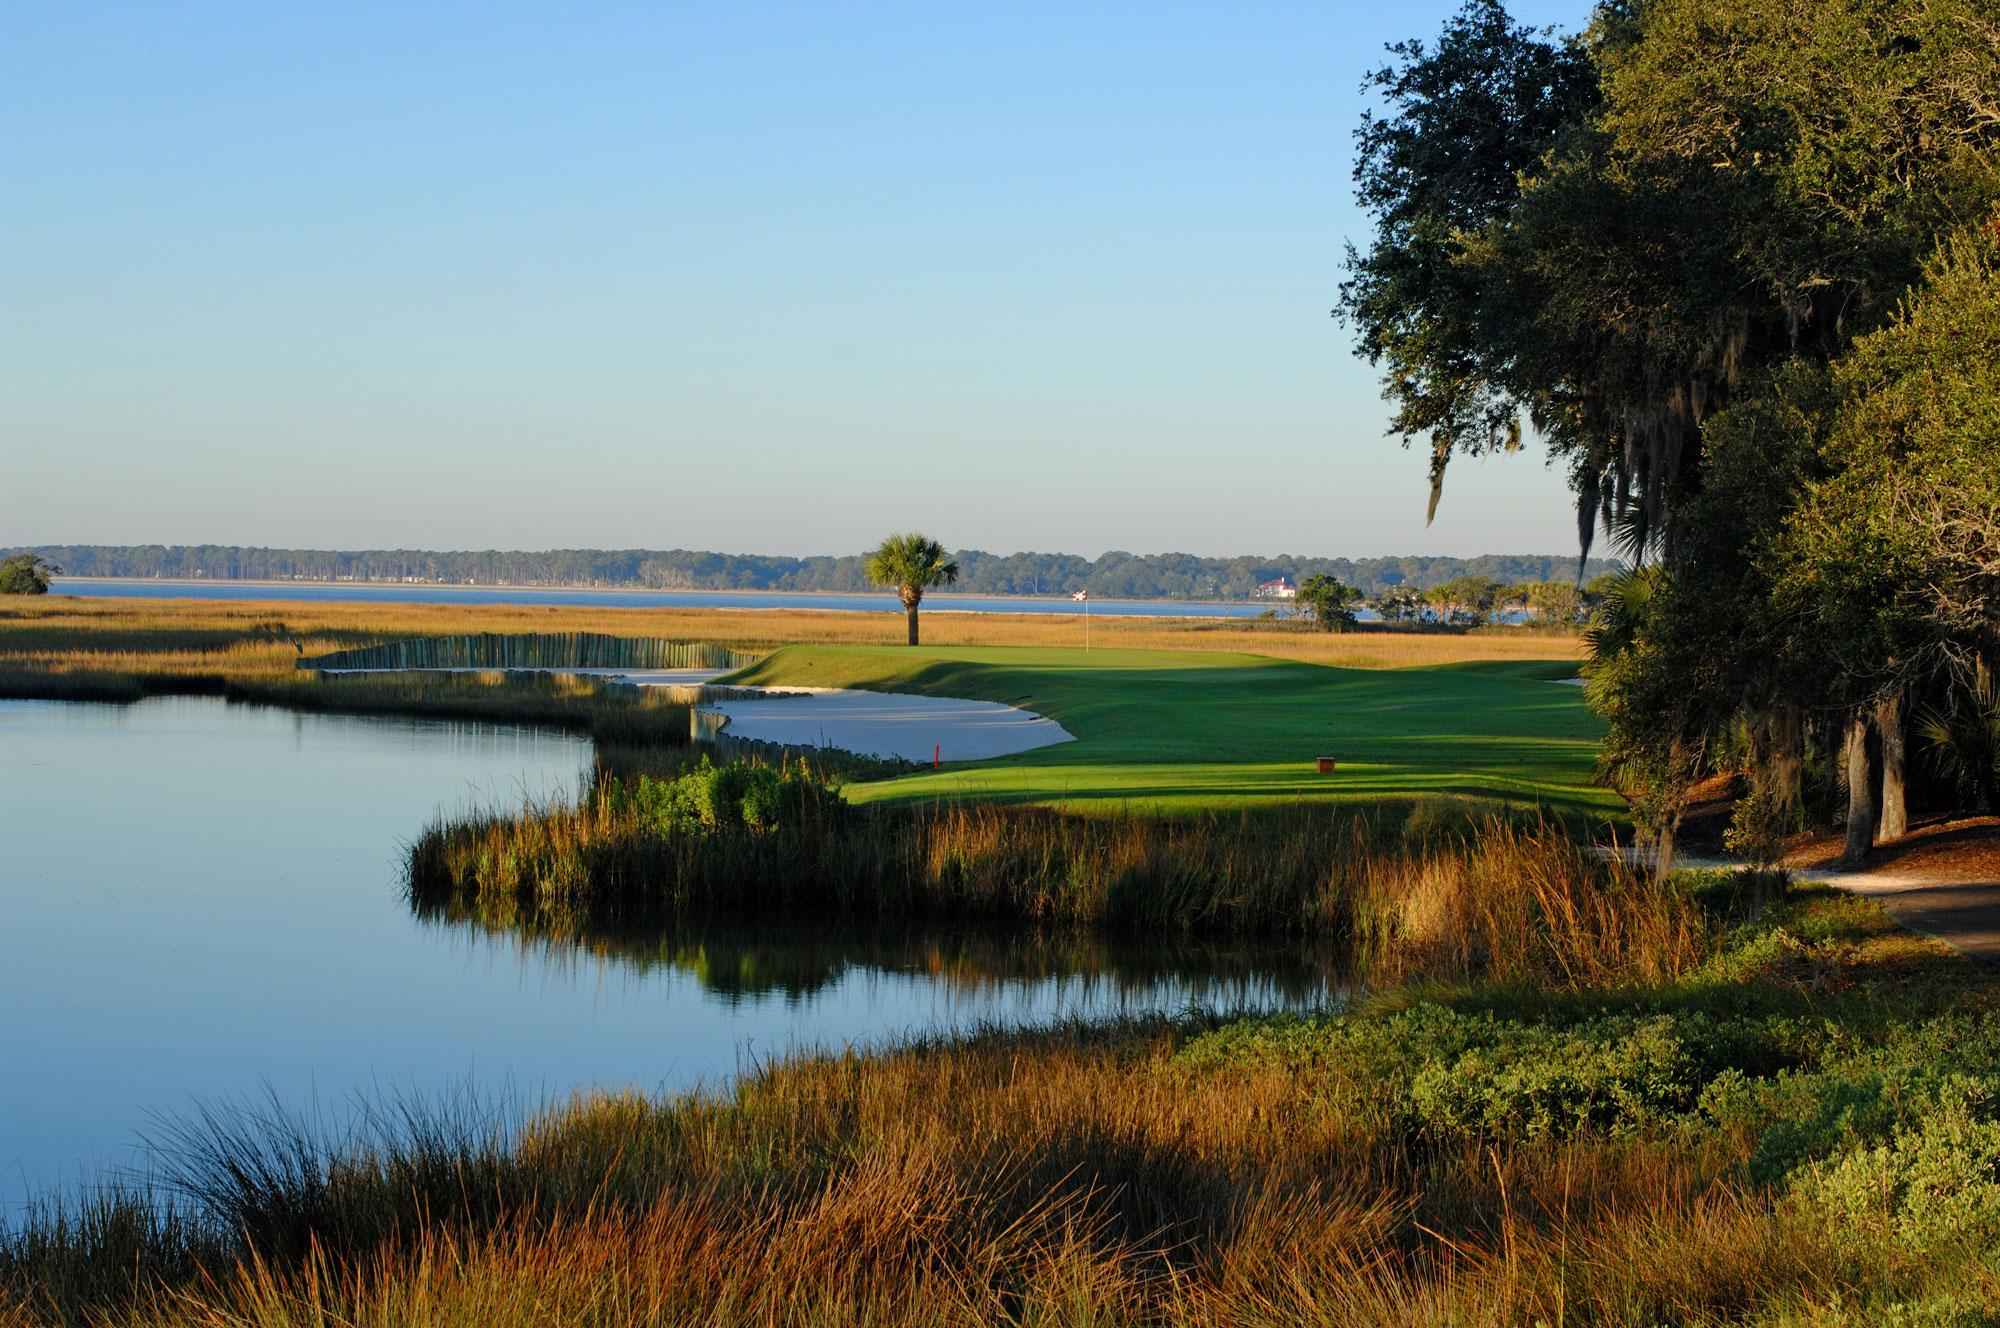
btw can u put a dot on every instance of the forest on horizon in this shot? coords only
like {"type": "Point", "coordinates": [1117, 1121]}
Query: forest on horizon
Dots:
{"type": "Point", "coordinates": [1115, 574]}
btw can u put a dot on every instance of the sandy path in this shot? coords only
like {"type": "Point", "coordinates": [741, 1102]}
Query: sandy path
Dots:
{"type": "Point", "coordinates": [1963, 913]}
{"type": "Point", "coordinates": [890, 724]}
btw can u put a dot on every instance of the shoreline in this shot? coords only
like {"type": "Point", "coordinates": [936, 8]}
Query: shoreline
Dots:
{"type": "Point", "coordinates": [581, 589]}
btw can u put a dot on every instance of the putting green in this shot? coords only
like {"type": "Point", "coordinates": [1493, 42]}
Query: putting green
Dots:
{"type": "Point", "coordinates": [1181, 730]}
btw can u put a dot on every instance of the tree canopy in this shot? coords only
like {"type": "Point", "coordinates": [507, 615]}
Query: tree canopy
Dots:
{"type": "Point", "coordinates": [1733, 259]}
{"type": "Point", "coordinates": [25, 574]}
{"type": "Point", "coordinates": [1329, 603]}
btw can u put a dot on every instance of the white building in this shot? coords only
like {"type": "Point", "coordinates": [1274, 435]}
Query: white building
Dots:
{"type": "Point", "coordinates": [1282, 588]}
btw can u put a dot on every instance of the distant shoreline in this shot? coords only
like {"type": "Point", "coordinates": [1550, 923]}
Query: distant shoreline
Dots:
{"type": "Point", "coordinates": [585, 589]}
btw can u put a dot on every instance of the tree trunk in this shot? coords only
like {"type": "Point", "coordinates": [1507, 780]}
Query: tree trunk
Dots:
{"type": "Point", "coordinates": [1776, 768]}
{"type": "Point", "coordinates": [1895, 815]}
{"type": "Point", "coordinates": [1663, 848]}
{"type": "Point", "coordinates": [912, 609]}
{"type": "Point", "coordinates": [1862, 811]}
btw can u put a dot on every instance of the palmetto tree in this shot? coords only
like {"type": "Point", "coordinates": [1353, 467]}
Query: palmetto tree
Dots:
{"type": "Point", "coordinates": [911, 563]}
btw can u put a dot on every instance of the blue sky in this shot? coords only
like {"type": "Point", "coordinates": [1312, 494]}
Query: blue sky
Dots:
{"type": "Point", "coordinates": [749, 276]}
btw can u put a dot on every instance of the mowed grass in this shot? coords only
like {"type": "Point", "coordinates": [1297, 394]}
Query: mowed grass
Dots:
{"type": "Point", "coordinates": [1176, 731]}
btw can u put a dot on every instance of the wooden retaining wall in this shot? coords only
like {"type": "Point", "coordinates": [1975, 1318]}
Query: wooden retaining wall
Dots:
{"type": "Point", "coordinates": [535, 650]}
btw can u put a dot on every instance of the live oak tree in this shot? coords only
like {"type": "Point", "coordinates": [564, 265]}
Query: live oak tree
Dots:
{"type": "Point", "coordinates": [1656, 244]}
{"type": "Point", "coordinates": [25, 574]}
{"type": "Point", "coordinates": [1330, 602]}
{"type": "Point", "coordinates": [1893, 552]}
{"type": "Point", "coordinates": [911, 564]}
{"type": "Point", "coordinates": [1470, 117]}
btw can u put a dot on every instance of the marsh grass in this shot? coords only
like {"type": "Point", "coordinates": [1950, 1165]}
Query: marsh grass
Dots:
{"type": "Point", "coordinates": [1592, 1100]}
{"type": "Point", "coordinates": [1436, 888]}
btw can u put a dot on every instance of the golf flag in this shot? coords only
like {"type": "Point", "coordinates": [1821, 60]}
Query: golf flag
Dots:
{"type": "Point", "coordinates": [1081, 594]}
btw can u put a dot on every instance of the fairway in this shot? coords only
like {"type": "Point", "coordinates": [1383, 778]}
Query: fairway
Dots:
{"type": "Point", "coordinates": [1180, 731]}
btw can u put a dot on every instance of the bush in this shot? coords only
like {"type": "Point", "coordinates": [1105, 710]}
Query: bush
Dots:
{"type": "Point", "coordinates": [25, 574]}
{"type": "Point", "coordinates": [1935, 1183]}
{"type": "Point", "coordinates": [1445, 1073]}
{"type": "Point", "coordinates": [732, 796]}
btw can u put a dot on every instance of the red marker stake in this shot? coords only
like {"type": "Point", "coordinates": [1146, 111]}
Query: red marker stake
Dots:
{"type": "Point", "coordinates": [937, 756]}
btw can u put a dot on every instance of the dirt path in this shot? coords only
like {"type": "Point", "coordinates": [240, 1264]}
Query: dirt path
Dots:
{"type": "Point", "coordinates": [1942, 879]}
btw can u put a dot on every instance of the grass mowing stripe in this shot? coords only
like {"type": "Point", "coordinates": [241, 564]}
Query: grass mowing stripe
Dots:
{"type": "Point", "coordinates": [1182, 731]}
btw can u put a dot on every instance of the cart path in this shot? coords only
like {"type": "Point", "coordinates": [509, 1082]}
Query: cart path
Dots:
{"type": "Point", "coordinates": [1962, 912]}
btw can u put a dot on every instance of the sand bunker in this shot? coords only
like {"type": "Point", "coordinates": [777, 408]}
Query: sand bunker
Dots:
{"type": "Point", "coordinates": [888, 724]}
{"type": "Point", "coordinates": [883, 724]}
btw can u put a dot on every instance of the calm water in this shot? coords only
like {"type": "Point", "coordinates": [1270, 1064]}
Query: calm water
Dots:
{"type": "Point", "coordinates": [882, 602]}
{"type": "Point", "coordinates": [200, 902]}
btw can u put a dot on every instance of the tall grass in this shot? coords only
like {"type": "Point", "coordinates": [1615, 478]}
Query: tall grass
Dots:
{"type": "Point", "coordinates": [534, 650]}
{"type": "Point", "coordinates": [1493, 899]}
{"type": "Point", "coordinates": [1061, 1178]}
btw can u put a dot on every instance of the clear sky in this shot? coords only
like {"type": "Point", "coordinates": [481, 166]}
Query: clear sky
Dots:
{"type": "Point", "coordinates": [746, 276]}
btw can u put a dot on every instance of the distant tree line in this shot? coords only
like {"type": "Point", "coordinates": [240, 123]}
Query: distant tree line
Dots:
{"type": "Point", "coordinates": [1115, 575]}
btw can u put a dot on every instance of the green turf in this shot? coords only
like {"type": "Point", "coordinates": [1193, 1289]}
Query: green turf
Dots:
{"type": "Point", "coordinates": [1179, 730]}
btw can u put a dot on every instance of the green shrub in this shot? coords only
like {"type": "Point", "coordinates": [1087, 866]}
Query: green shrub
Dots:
{"type": "Point", "coordinates": [1935, 1183]}
{"type": "Point", "coordinates": [712, 797]}
{"type": "Point", "coordinates": [1859, 1093]}
{"type": "Point", "coordinates": [1529, 1083]}
{"type": "Point", "coordinates": [1440, 1072]}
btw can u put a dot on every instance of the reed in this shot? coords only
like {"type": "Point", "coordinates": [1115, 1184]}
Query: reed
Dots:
{"type": "Point", "coordinates": [534, 650]}
{"type": "Point", "coordinates": [1431, 886]}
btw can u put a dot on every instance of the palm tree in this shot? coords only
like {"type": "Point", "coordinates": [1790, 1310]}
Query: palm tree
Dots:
{"type": "Point", "coordinates": [912, 564]}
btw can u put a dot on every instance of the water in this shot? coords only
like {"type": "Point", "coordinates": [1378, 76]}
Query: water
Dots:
{"type": "Point", "coordinates": [878, 602]}
{"type": "Point", "coordinates": [201, 902]}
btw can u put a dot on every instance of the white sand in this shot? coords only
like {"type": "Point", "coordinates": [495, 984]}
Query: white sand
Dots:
{"type": "Point", "coordinates": [883, 724]}
{"type": "Point", "coordinates": [889, 724]}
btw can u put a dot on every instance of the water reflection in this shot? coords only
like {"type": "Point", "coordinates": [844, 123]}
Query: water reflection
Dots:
{"type": "Point", "coordinates": [797, 963]}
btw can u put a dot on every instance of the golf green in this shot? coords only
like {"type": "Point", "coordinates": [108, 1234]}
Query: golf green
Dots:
{"type": "Point", "coordinates": [1179, 731]}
